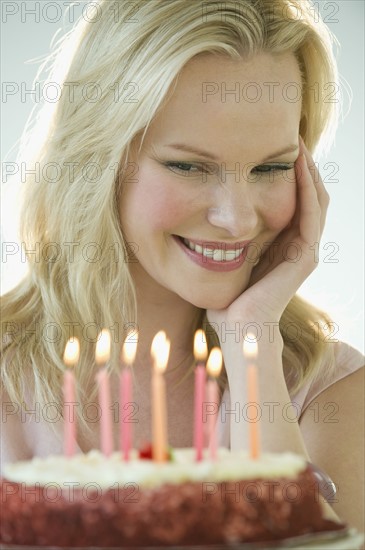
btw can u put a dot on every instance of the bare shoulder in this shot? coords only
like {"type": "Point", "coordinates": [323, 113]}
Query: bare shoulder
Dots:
{"type": "Point", "coordinates": [345, 397]}
{"type": "Point", "coordinates": [336, 411]}
{"type": "Point", "coordinates": [345, 388]}
{"type": "Point", "coordinates": [333, 429]}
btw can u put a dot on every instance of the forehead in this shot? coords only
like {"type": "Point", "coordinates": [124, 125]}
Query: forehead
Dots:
{"type": "Point", "coordinates": [217, 99]}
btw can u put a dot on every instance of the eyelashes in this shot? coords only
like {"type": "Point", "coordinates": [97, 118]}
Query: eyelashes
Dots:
{"type": "Point", "coordinates": [188, 169]}
{"type": "Point", "coordinates": [265, 168]}
{"type": "Point", "coordinates": [184, 168]}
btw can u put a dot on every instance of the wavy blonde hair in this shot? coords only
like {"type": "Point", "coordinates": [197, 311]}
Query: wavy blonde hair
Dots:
{"type": "Point", "coordinates": [78, 276]}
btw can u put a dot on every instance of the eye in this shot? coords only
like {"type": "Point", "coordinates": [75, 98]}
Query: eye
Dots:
{"type": "Point", "coordinates": [189, 169]}
{"type": "Point", "coordinates": [270, 168]}
{"type": "Point", "coordinates": [185, 168]}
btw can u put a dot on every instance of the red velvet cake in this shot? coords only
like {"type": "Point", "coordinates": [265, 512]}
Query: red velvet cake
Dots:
{"type": "Point", "coordinates": [90, 500]}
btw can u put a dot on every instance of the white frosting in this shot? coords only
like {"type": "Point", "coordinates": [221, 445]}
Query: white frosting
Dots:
{"type": "Point", "coordinates": [94, 468]}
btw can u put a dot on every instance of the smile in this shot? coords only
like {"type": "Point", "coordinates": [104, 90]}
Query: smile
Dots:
{"type": "Point", "coordinates": [218, 254]}
{"type": "Point", "coordinates": [213, 255]}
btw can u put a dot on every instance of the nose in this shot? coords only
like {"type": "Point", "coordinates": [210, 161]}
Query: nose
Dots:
{"type": "Point", "coordinates": [234, 211]}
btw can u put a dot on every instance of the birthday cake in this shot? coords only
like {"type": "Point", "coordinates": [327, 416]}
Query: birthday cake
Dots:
{"type": "Point", "coordinates": [91, 500]}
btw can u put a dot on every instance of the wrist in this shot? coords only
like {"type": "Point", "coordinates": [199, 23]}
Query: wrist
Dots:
{"type": "Point", "coordinates": [232, 335]}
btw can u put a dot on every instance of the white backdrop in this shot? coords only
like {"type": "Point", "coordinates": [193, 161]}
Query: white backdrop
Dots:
{"type": "Point", "coordinates": [338, 283]}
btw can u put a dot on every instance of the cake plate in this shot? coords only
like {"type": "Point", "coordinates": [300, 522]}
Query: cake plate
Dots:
{"type": "Point", "coordinates": [346, 539]}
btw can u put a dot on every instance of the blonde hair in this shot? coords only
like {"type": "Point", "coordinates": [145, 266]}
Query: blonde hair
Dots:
{"type": "Point", "coordinates": [78, 277]}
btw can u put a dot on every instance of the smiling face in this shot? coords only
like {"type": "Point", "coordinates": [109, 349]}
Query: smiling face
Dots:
{"type": "Point", "coordinates": [200, 222]}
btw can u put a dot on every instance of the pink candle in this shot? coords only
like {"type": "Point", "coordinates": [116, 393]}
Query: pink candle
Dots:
{"type": "Point", "coordinates": [250, 353]}
{"type": "Point", "coordinates": [214, 366]}
{"type": "Point", "coordinates": [70, 358]}
{"type": "Point", "coordinates": [128, 355]}
{"type": "Point", "coordinates": [102, 356]}
{"type": "Point", "coordinates": [200, 354]}
{"type": "Point", "coordinates": [125, 399]}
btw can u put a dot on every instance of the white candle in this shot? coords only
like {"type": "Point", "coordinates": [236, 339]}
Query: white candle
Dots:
{"type": "Point", "coordinates": [214, 366]}
{"type": "Point", "coordinates": [250, 353]}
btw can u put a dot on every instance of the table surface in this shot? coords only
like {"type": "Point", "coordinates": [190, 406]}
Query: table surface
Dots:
{"type": "Point", "coordinates": [348, 539]}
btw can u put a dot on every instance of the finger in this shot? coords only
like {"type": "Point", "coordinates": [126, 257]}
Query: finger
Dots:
{"type": "Point", "coordinates": [323, 196]}
{"type": "Point", "coordinates": [308, 219]}
{"type": "Point", "coordinates": [310, 210]}
{"type": "Point", "coordinates": [275, 253]}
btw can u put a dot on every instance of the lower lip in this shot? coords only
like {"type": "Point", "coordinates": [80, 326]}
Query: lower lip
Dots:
{"type": "Point", "coordinates": [210, 264]}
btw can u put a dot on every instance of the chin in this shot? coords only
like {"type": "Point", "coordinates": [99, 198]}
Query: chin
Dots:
{"type": "Point", "coordinates": [214, 301]}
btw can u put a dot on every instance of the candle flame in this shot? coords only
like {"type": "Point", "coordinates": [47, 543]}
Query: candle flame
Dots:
{"type": "Point", "coordinates": [130, 347]}
{"type": "Point", "coordinates": [72, 352]}
{"type": "Point", "coordinates": [102, 353]}
{"type": "Point", "coordinates": [250, 346]}
{"type": "Point", "coordinates": [160, 351]}
{"type": "Point", "coordinates": [200, 346]}
{"type": "Point", "coordinates": [214, 363]}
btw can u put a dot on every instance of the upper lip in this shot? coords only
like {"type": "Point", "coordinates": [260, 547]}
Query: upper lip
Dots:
{"type": "Point", "coordinates": [218, 245]}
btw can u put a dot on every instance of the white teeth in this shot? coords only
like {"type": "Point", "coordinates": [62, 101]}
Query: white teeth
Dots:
{"type": "Point", "coordinates": [216, 254]}
{"type": "Point", "coordinates": [208, 252]}
{"type": "Point", "coordinates": [231, 254]}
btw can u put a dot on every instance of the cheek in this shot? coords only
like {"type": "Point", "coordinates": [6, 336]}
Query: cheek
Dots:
{"type": "Point", "coordinates": [279, 207]}
{"type": "Point", "coordinates": [155, 203]}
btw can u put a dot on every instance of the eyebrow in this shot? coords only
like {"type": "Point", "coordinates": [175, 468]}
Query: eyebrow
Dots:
{"type": "Point", "coordinates": [206, 154]}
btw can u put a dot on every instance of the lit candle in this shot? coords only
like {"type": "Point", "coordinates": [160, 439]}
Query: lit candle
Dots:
{"type": "Point", "coordinates": [70, 358]}
{"type": "Point", "coordinates": [102, 356]}
{"type": "Point", "coordinates": [214, 366]}
{"type": "Point", "coordinates": [128, 355]}
{"type": "Point", "coordinates": [160, 350]}
{"type": "Point", "coordinates": [200, 354]}
{"type": "Point", "coordinates": [250, 354]}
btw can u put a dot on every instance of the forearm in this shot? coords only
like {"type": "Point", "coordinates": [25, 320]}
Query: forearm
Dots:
{"type": "Point", "coordinates": [277, 418]}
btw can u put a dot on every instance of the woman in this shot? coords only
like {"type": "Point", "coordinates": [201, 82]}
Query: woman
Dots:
{"type": "Point", "coordinates": [178, 190]}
